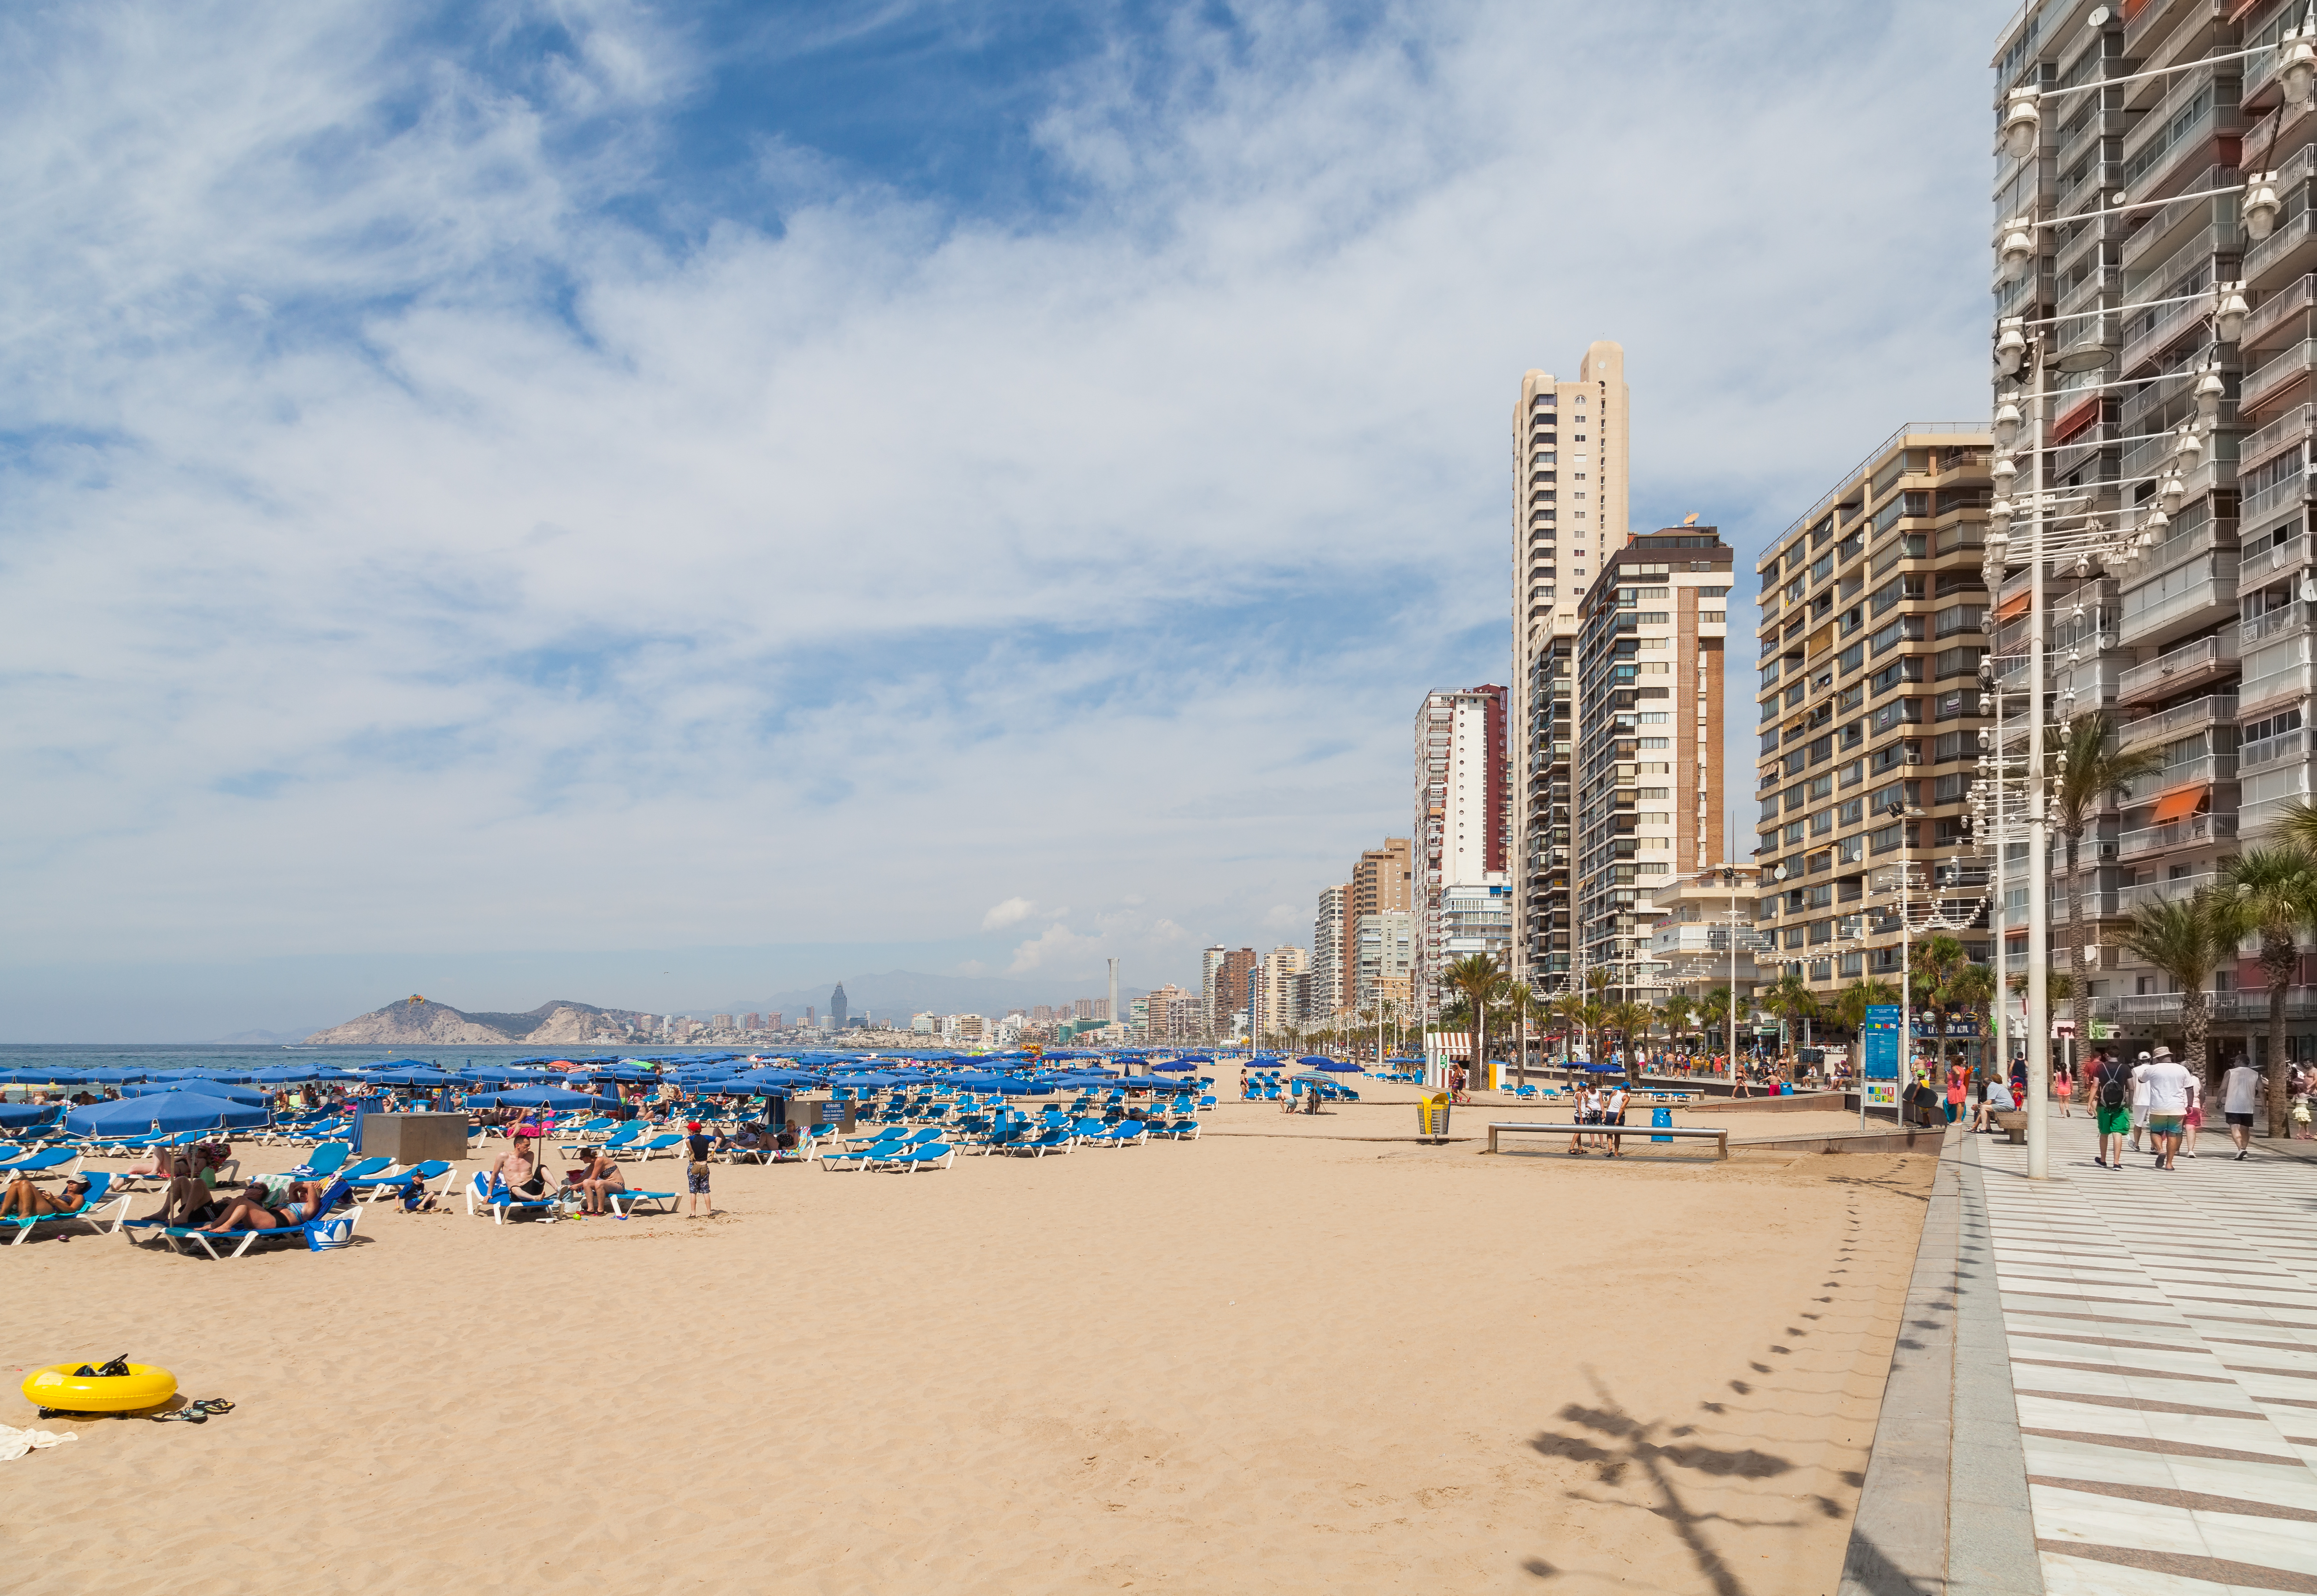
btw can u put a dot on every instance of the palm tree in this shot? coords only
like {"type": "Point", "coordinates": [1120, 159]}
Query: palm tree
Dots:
{"type": "Point", "coordinates": [1971, 990]}
{"type": "Point", "coordinates": [1477, 978]}
{"type": "Point", "coordinates": [2276, 893]}
{"type": "Point", "coordinates": [1574, 1008]}
{"type": "Point", "coordinates": [2185, 939]}
{"type": "Point", "coordinates": [1714, 1013]}
{"type": "Point", "coordinates": [1677, 1010]}
{"type": "Point", "coordinates": [1850, 1006]}
{"type": "Point", "coordinates": [1521, 1007]}
{"type": "Point", "coordinates": [1627, 1018]}
{"type": "Point", "coordinates": [2089, 774]}
{"type": "Point", "coordinates": [1791, 999]}
{"type": "Point", "coordinates": [1938, 959]}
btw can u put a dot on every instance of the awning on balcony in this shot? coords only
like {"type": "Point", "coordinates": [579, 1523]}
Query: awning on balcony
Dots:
{"type": "Point", "coordinates": [2179, 805]}
{"type": "Point", "coordinates": [2017, 605]}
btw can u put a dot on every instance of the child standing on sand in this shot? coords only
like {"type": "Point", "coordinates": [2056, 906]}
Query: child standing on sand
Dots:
{"type": "Point", "coordinates": [696, 1177]}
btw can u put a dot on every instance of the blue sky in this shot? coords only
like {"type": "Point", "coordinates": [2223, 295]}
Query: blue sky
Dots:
{"type": "Point", "coordinates": [493, 489]}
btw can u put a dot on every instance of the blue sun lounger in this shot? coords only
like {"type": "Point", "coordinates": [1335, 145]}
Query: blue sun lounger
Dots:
{"type": "Point", "coordinates": [403, 1184]}
{"type": "Point", "coordinates": [912, 1156]}
{"type": "Point", "coordinates": [623, 1202]}
{"type": "Point", "coordinates": [99, 1187]}
{"type": "Point", "coordinates": [494, 1196]}
{"type": "Point", "coordinates": [47, 1162]}
{"type": "Point", "coordinates": [332, 1210]}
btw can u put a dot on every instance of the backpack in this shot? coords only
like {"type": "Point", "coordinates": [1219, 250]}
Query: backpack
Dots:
{"type": "Point", "coordinates": [2115, 1084]}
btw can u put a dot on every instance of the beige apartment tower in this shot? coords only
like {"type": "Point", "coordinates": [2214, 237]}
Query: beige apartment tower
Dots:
{"type": "Point", "coordinates": [1569, 516]}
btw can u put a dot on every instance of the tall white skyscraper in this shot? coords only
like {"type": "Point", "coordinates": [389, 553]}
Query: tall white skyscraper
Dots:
{"type": "Point", "coordinates": [1569, 514]}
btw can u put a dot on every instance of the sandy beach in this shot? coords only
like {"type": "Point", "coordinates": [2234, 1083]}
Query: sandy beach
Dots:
{"type": "Point", "coordinates": [1278, 1358]}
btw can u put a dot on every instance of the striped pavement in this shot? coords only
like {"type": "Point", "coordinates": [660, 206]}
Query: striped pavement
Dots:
{"type": "Point", "coordinates": [2162, 1329]}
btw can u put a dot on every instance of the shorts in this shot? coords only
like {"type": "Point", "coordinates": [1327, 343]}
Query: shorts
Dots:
{"type": "Point", "coordinates": [2113, 1122]}
{"type": "Point", "coordinates": [2243, 1119]}
{"type": "Point", "coordinates": [2164, 1124]}
{"type": "Point", "coordinates": [2139, 1114]}
{"type": "Point", "coordinates": [695, 1180]}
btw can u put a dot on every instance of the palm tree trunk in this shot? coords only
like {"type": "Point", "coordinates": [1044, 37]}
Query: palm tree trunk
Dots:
{"type": "Point", "coordinates": [2278, 958]}
{"type": "Point", "coordinates": [2080, 1000]}
{"type": "Point", "coordinates": [2197, 1018]}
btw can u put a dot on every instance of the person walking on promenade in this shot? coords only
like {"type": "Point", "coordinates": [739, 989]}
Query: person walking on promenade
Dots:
{"type": "Point", "coordinates": [2237, 1088]}
{"type": "Point", "coordinates": [1958, 1086]}
{"type": "Point", "coordinates": [2111, 1102]}
{"type": "Point", "coordinates": [2170, 1088]}
{"type": "Point", "coordinates": [1612, 1112]}
{"type": "Point", "coordinates": [2139, 1095]}
{"type": "Point", "coordinates": [2063, 1090]}
{"type": "Point", "coordinates": [2194, 1121]}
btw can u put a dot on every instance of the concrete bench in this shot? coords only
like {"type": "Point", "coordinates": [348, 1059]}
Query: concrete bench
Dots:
{"type": "Point", "coordinates": [1720, 1135]}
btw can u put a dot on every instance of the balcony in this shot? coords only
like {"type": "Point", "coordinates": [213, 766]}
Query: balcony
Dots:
{"type": "Point", "coordinates": [2270, 751]}
{"type": "Point", "coordinates": [2278, 379]}
{"type": "Point", "coordinates": [2287, 431]}
{"type": "Point", "coordinates": [2207, 660]}
{"type": "Point", "coordinates": [2285, 255]}
{"type": "Point", "coordinates": [2292, 554]}
{"type": "Point", "coordinates": [2200, 772]}
{"type": "Point", "coordinates": [2128, 899]}
{"type": "Point", "coordinates": [2182, 833]}
{"type": "Point", "coordinates": [2276, 623]}
{"type": "Point", "coordinates": [2198, 602]}
{"type": "Point", "coordinates": [2283, 677]}
{"type": "Point", "coordinates": [2172, 725]}
{"type": "Point", "coordinates": [2201, 225]}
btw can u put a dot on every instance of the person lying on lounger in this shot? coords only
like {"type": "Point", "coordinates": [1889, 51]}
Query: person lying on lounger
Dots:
{"type": "Point", "coordinates": [252, 1210]}
{"type": "Point", "coordinates": [25, 1199]}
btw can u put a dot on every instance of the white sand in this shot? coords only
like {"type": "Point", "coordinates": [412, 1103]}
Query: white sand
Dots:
{"type": "Point", "coordinates": [1269, 1362]}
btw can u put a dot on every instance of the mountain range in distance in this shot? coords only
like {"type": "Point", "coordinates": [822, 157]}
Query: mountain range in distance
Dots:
{"type": "Point", "coordinates": [891, 997]}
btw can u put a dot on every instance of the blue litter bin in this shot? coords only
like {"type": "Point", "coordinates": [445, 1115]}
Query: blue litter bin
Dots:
{"type": "Point", "coordinates": [1661, 1119]}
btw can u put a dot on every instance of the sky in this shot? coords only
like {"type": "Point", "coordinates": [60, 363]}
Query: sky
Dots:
{"type": "Point", "coordinates": [652, 505]}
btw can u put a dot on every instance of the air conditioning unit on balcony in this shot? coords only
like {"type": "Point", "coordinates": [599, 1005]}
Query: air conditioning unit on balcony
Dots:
{"type": "Point", "coordinates": [2106, 850]}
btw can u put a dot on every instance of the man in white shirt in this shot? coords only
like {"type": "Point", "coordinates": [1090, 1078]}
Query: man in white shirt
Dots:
{"type": "Point", "coordinates": [2168, 1086]}
{"type": "Point", "coordinates": [1612, 1112]}
{"type": "Point", "coordinates": [2140, 1096]}
{"type": "Point", "coordinates": [2240, 1088]}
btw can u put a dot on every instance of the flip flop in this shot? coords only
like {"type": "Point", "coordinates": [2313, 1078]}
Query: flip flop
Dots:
{"type": "Point", "coordinates": [213, 1404]}
{"type": "Point", "coordinates": [181, 1416]}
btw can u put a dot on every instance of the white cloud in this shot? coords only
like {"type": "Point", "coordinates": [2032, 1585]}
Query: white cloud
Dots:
{"type": "Point", "coordinates": [1285, 917]}
{"type": "Point", "coordinates": [1054, 949]}
{"type": "Point", "coordinates": [524, 574]}
{"type": "Point", "coordinates": [1011, 912]}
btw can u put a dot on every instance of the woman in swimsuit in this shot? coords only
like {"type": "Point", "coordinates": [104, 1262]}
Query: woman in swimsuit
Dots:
{"type": "Point", "coordinates": [26, 1200]}
{"type": "Point", "coordinates": [252, 1211]}
{"type": "Point", "coordinates": [597, 1182]}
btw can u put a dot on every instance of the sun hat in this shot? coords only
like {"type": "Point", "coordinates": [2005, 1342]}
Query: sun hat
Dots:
{"type": "Point", "coordinates": [2162, 1051]}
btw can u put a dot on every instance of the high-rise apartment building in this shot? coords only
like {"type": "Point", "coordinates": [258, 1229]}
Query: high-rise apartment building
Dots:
{"type": "Point", "coordinates": [1648, 776]}
{"type": "Point", "coordinates": [1383, 963]}
{"type": "Point", "coordinates": [1278, 1007]}
{"type": "Point", "coordinates": [837, 1007]}
{"type": "Point", "coordinates": [1384, 878]}
{"type": "Point", "coordinates": [1873, 620]}
{"type": "Point", "coordinates": [1569, 509]}
{"type": "Point", "coordinates": [1331, 956]}
{"type": "Point", "coordinates": [1461, 812]}
{"type": "Point", "coordinates": [1226, 987]}
{"type": "Point", "coordinates": [2199, 650]}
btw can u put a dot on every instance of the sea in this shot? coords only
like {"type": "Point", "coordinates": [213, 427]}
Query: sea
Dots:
{"type": "Point", "coordinates": [22, 1062]}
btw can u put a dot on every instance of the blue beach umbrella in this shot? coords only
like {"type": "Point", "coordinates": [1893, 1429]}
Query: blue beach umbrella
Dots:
{"type": "Point", "coordinates": [16, 1116]}
{"type": "Point", "coordinates": [206, 1089]}
{"type": "Point", "coordinates": [162, 1111]}
{"type": "Point", "coordinates": [543, 1097]}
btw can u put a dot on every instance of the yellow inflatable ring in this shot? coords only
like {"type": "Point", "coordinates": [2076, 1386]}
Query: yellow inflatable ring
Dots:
{"type": "Point", "coordinates": [144, 1386]}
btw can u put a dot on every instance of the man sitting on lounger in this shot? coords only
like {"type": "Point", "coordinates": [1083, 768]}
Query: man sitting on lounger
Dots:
{"type": "Point", "coordinates": [187, 1201]}
{"type": "Point", "coordinates": [26, 1200]}
{"type": "Point", "coordinates": [517, 1171]}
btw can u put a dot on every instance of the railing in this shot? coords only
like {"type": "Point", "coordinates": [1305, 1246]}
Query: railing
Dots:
{"type": "Point", "coordinates": [2282, 244]}
{"type": "Point", "coordinates": [2288, 680]}
{"type": "Point", "coordinates": [2289, 366]}
{"type": "Point", "coordinates": [2274, 437]}
{"type": "Point", "coordinates": [2167, 725]}
{"type": "Point", "coordinates": [2216, 591]}
{"type": "Point", "coordinates": [2251, 755]}
{"type": "Point", "coordinates": [2237, 1006]}
{"type": "Point", "coordinates": [2206, 653]}
{"type": "Point", "coordinates": [2183, 833]}
{"type": "Point", "coordinates": [2217, 227]}
{"type": "Point", "coordinates": [2100, 175]}
{"type": "Point", "coordinates": [2180, 546]}
{"type": "Point", "coordinates": [2290, 555]}
{"type": "Point", "coordinates": [2131, 897]}
{"type": "Point", "coordinates": [2158, 328]}
{"type": "Point", "coordinates": [2188, 772]}
{"type": "Point", "coordinates": [2280, 623]}
{"type": "Point", "coordinates": [2287, 301]}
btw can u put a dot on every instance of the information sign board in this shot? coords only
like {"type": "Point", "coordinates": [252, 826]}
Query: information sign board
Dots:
{"type": "Point", "coordinates": [1881, 1035]}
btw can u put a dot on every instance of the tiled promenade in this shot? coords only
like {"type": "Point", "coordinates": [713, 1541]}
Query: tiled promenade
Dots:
{"type": "Point", "coordinates": [2162, 1331]}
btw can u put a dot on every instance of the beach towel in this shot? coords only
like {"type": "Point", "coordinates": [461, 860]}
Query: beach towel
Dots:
{"type": "Point", "coordinates": [15, 1443]}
